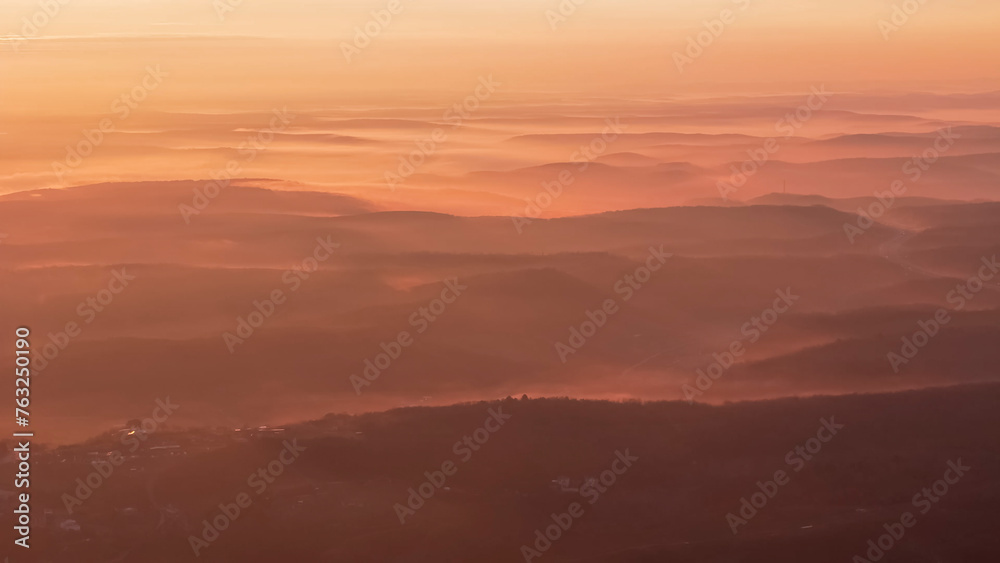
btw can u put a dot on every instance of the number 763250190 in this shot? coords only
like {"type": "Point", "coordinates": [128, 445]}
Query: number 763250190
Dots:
{"type": "Point", "coordinates": [22, 372]}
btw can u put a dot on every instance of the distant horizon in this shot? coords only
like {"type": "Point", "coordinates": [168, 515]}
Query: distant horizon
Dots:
{"type": "Point", "coordinates": [626, 401]}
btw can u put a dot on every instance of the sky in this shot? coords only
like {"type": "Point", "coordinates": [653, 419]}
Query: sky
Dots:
{"type": "Point", "coordinates": [254, 53]}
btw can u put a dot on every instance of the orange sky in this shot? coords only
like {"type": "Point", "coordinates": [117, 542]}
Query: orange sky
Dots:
{"type": "Point", "coordinates": [264, 52]}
